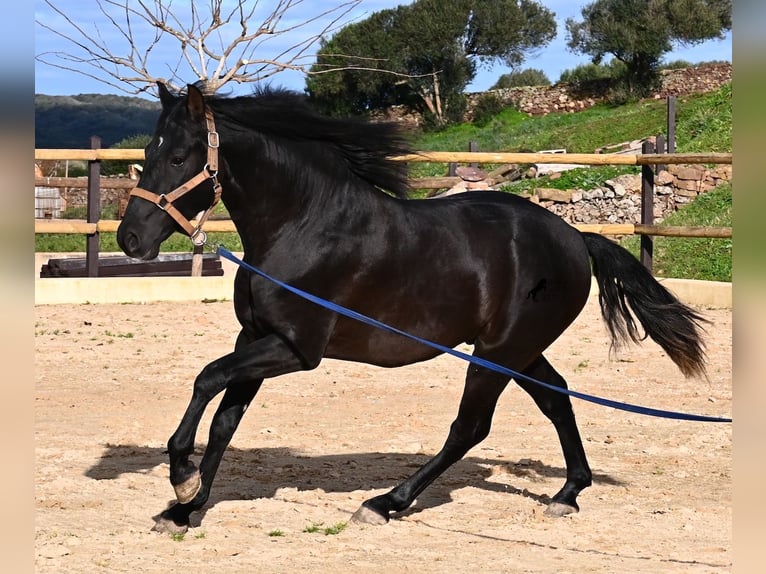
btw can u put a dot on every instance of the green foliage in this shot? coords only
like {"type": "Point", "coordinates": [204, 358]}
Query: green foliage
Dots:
{"type": "Point", "coordinates": [487, 106]}
{"type": "Point", "coordinates": [602, 81]}
{"type": "Point", "coordinates": [708, 259]}
{"type": "Point", "coordinates": [378, 63]}
{"type": "Point", "coordinates": [586, 73]}
{"type": "Point", "coordinates": [527, 77]}
{"type": "Point", "coordinates": [584, 178]}
{"type": "Point", "coordinates": [638, 33]}
{"type": "Point", "coordinates": [121, 167]}
{"type": "Point", "coordinates": [675, 65]}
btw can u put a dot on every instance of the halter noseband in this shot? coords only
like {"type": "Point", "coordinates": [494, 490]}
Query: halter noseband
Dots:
{"type": "Point", "coordinates": [209, 171]}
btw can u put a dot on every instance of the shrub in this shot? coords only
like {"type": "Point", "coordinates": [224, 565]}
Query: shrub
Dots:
{"type": "Point", "coordinates": [675, 65]}
{"type": "Point", "coordinates": [487, 106]}
{"type": "Point", "coordinates": [599, 80]}
{"type": "Point", "coordinates": [528, 77]}
{"type": "Point", "coordinates": [117, 167]}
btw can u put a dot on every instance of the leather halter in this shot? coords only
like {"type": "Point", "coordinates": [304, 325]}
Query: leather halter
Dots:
{"type": "Point", "coordinates": [209, 171]}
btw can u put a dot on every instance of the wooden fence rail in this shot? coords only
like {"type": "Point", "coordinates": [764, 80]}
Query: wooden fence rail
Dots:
{"type": "Point", "coordinates": [74, 226]}
{"type": "Point", "coordinates": [443, 157]}
{"type": "Point", "coordinates": [574, 158]}
{"type": "Point", "coordinates": [93, 226]}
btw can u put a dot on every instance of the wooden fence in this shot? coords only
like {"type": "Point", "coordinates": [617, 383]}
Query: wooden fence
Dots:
{"type": "Point", "coordinates": [93, 225]}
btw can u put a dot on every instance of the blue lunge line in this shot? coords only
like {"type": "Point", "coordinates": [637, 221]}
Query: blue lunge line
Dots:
{"type": "Point", "coordinates": [470, 358]}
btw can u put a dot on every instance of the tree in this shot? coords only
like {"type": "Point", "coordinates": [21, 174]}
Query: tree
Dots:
{"type": "Point", "coordinates": [216, 48]}
{"type": "Point", "coordinates": [639, 32]}
{"type": "Point", "coordinates": [429, 51]}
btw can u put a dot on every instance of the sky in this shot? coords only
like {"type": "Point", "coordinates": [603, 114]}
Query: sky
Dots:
{"type": "Point", "coordinates": [553, 59]}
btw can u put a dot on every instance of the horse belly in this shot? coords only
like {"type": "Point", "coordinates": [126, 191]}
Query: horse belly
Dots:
{"type": "Point", "coordinates": [445, 315]}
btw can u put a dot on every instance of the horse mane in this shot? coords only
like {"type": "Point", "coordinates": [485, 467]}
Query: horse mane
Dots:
{"type": "Point", "coordinates": [360, 148]}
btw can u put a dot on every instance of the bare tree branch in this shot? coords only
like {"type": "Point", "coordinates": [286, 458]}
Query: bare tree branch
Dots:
{"type": "Point", "coordinates": [217, 47]}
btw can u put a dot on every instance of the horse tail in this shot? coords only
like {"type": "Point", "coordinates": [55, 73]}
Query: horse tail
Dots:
{"type": "Point", "coordinates": [625, 285]}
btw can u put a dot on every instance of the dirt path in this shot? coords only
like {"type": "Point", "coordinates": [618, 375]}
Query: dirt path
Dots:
{"type": "Point", "coordinates": [113, 380]}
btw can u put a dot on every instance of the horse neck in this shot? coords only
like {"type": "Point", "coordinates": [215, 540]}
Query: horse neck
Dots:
{"type": "Point", "coordinates": [267, 199]}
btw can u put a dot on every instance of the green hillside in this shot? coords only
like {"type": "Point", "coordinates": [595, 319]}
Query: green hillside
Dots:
{"type": "Point", "coordinates": [68, 122]}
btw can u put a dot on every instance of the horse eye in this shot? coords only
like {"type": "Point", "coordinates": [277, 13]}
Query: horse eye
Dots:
{"type": "Point", "coordinates": [177, 161]}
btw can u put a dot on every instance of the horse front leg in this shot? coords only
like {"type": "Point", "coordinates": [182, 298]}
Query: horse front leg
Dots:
{"type": "Point", "coordinates": [196, 484]}
{"type": "Point", "coordinates": [240, 374]}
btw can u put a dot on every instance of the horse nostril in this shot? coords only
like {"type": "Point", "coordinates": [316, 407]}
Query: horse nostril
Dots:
{"type": "Point", "coordinates": [131, 243]}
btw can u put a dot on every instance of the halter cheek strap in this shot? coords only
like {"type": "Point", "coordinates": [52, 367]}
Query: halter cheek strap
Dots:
{"type": "Point", "coordinates": [209, 171]}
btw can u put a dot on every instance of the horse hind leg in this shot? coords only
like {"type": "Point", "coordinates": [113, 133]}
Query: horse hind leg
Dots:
{"type": "Point", "coordinates": [558, 408]}
{"type": "Point", "coordinates": [474, 419]}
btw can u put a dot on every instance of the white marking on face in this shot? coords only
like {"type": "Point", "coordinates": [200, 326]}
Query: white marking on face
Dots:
{"type": "Point", "coordinates": [159, 144]}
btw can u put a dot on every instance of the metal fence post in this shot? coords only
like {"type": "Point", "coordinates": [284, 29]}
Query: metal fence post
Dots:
{"type": "Point", "coordinates": [671, 124]}
{"type": "Point", "coordinates": [647, 206]}
{"type": "Point", "coordinates": [93, 210]}
{"type": "Point", "coordinates": [660, 139]}
{"type": "Point", "coordinates": [473, 146]}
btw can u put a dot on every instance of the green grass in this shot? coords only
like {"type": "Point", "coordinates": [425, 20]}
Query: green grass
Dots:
{"type": "Point", "coordinates": [584, 178]}
{"type": "Point", "coordinates": [703, 123]}
{"type": "Point", "coordinates": [107, 242]}
{"type": "Point", "coordinates": [708, 259]}
{"type": "Point", "coordinates": [318, 527]}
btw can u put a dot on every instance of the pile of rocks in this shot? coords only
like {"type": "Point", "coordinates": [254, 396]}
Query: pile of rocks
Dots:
{"type": "Point", "coordinates": [619, 199]}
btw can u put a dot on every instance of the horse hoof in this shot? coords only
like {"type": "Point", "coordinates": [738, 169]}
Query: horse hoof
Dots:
{"type": "Point", "coordinates": [167, 526]}
{"type": "Point", "coordinates": [366, 516]}
{"type": "Point", "coordinates": [558, 509]}
{"type": "Point", "coordinates": [188, 489]}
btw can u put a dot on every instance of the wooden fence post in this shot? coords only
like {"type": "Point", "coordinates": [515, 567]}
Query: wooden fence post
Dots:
{"type": "Point", "coordinates": [647, 206]}
{"type": "Point", "coordinates": [93, 210]}
{"type": "Point", "coordinates": [197, 261]}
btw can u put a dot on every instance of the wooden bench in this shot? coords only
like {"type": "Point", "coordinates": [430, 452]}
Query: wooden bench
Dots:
{"type": "Point", "coordinates": [165, 265]}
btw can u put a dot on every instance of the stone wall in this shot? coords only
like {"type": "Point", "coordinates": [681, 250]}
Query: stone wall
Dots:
{"type": "Point", "coordinates": [619, 199]}
{"type": "Point", "coordinates": [542, 100]}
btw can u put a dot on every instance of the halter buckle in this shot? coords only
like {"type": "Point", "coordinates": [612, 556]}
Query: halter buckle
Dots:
{"type": "Point", "coordinates": [211, 173]}
{"type": "Point", "coordinates": [199, 237]}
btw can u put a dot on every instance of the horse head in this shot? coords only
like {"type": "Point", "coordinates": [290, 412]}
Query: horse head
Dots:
{"type": "Point", "coordinates": [179, 178]}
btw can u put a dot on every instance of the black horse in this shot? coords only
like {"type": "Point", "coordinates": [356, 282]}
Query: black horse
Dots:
{"type": "Point", "coordinates": [320, 204]}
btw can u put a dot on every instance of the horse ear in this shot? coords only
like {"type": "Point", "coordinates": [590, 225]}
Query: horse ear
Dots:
{"type": "Point", "coordinates": [195, 103]}
{"type": "Point", "coordinates": [166, 98]}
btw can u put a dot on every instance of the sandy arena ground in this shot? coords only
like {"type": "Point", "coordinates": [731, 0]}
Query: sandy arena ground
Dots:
{"type": "Point", "coordinates": [113, 380]}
